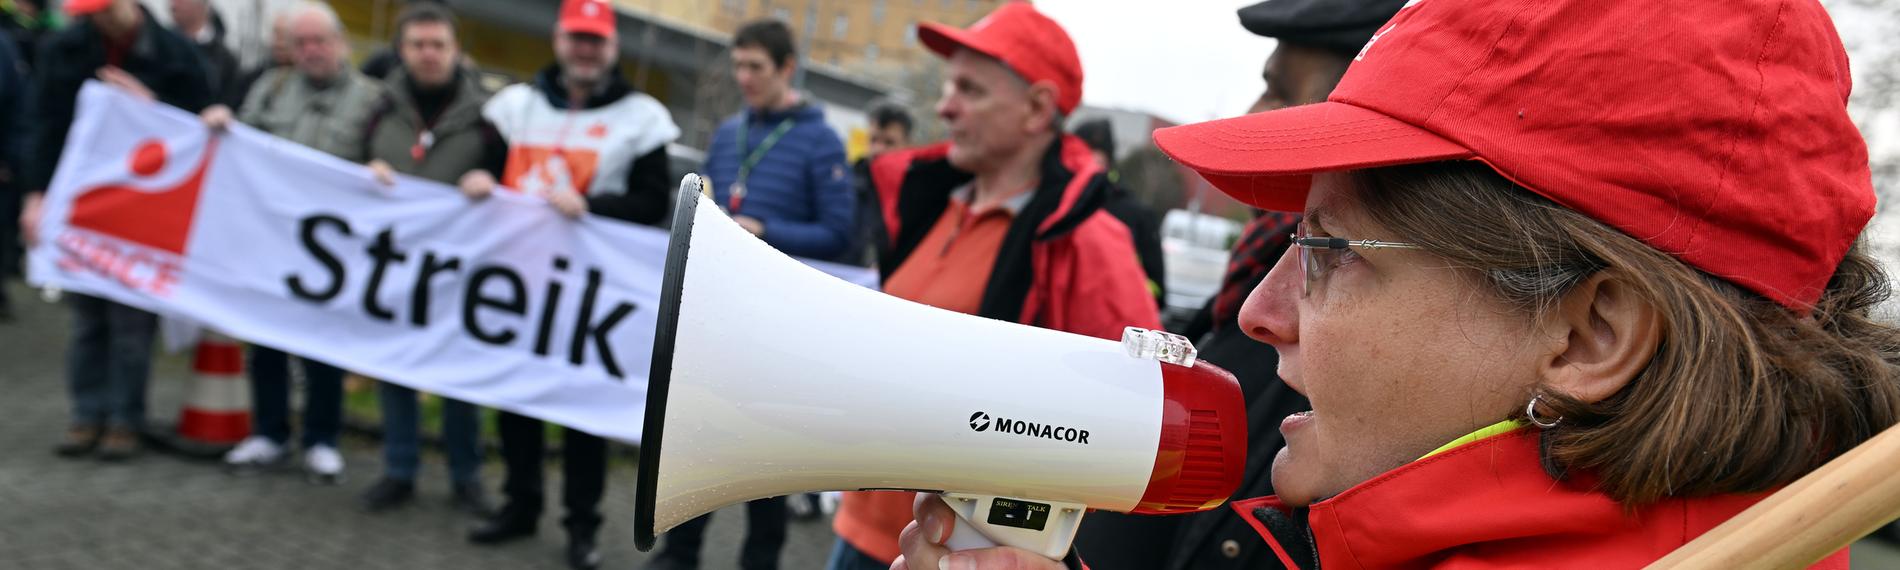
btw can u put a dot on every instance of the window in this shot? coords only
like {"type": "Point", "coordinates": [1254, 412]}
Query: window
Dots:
{"type": "Point", "coordinates": [910, 34]}
{"type": "Point", "coordinates": [877, 12]}
{"type": "Point", "coordinates": [782, 15]}
{"type": "Point", "coordinates": [870, 53]}
{"type": "Point", "coordinates": [734, 7]}
{"type": "Point", "coordinates": [840, 26]}
{"type": "Point", "coordinates": [971, 5]}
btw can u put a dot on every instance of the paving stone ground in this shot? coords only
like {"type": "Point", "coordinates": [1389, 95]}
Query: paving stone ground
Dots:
{"type": "Point", "coordinates": [162, 511]}
{"type": "Point", "coordinates": [165, 512]}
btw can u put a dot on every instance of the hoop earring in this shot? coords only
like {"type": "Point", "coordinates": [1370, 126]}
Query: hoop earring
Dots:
{"type": "Point", "coordinates": [1530, 413]}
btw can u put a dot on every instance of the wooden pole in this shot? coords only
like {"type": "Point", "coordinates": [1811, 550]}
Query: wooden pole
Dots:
{"type": "Point", "coordinates": [1846, 499]}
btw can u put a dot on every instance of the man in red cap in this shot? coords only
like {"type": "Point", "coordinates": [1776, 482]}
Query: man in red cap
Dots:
{"type": "Point", "coordinates": [582, 137]}
{"type": "Point", "coordinates": [1004, 221]}
{"type": "Point", "coordinates": [118, 42]}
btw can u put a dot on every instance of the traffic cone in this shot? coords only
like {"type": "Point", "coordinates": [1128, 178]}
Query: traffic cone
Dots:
{"type": "Point", "coordinates": [217, 410]}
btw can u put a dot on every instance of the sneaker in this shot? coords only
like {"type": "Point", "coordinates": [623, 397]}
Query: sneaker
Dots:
{"type": "Point", "coordinates": [80, 440]}
{"type": "Point", "coordinates": [387, 494]}
{"type": "Point", "coordinates": [323, 464]}
{"type": "Point", "coordinates": [254, 454]}
{"type": "Point", "coordinates": [469, 497]}
{"type": "Point", "coordinates": [828, 502]}
{"type": "Point", "coordinates": [581, 552]}
{"type": "Point", "coordinates": [804, 506]}
{"type": "Point", "coordinates": [119, 444]}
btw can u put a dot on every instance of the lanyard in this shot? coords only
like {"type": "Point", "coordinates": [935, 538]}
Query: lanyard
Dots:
{"type": "Point", "coordinates": [737, 195]}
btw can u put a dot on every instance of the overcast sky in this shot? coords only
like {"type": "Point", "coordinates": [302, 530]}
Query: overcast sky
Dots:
{"type": "Point", "coordinates": [1183, 61]}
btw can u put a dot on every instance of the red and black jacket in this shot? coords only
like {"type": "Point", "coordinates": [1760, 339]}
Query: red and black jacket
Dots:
{"type": "Point", "coordinates": [1065, 263]}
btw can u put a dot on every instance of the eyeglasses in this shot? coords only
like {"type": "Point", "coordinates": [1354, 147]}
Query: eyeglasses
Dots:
{"type": "Point", "coordinates": [1319, 255]}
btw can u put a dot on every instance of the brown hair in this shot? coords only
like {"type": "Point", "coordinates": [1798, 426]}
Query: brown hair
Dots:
{"type": "Point", "coordinates": [1742, 394]}
{"type": "Point", "coordinates": [424, 13]}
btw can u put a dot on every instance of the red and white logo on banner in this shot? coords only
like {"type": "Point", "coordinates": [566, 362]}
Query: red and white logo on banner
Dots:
{"type": "Point", "coordinates": [134, 230]}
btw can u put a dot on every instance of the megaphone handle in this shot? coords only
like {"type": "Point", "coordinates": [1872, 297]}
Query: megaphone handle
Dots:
{"type": "Point", "coordinates": [984, 521]}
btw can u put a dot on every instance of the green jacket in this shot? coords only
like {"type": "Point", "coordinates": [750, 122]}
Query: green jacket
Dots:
{"type": "Point", "coordinates": [460, 140]}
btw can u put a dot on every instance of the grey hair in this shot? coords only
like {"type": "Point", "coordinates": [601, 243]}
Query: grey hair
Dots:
{"type": "Point", "coordinates": [306, 7]}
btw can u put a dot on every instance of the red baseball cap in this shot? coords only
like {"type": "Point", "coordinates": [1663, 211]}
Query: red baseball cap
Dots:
{"type": "Point", "coordinates": [1031, 44]}
{"type": "Point", "coordinates": [1714, 131]}
{"type": "Point", "coordinates": [588, 17]}
{"type": "Point", "coordinates": [77, 8]}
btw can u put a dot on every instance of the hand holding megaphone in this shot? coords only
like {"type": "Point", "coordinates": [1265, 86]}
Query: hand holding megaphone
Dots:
{"type": "Point", "coordinates": [771, 378]}
{"type": "Point", "coordinates": [930, 539]}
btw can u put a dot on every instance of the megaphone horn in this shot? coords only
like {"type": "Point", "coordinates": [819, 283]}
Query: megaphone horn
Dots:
{"type": "Point", "coordinates": [771, 378]}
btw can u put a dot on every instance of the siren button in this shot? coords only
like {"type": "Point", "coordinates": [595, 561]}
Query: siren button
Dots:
{"type": "Point", "coordinates": [1158, 345]}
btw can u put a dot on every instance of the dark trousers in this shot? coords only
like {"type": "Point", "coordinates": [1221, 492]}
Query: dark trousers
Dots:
{"type": "Point", "coordinates": [9, 237]}
{"type": "Point", "coordinates": [108, 362]}
{"type": "Point", "coordinates": [270, 398]}
{"type": "Point", "coordinates": [764, 536]}
{"type": "Point", "coordinates": [524, 448]}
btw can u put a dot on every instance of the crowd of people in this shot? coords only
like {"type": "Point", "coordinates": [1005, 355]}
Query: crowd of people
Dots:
{"type": "Point", "coordinates": [993, 211]}
{"type": "Point", "coordinates": [1443, 223]}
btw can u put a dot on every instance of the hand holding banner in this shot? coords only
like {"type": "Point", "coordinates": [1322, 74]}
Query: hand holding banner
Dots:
{"type": "Point", "coordinates": [501, 302]}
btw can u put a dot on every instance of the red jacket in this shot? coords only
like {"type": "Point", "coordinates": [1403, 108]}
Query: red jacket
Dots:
{"type": "Point", "coordinates": [1488, 504]}
{"type": "Point", "coordinates": [1066, 264]}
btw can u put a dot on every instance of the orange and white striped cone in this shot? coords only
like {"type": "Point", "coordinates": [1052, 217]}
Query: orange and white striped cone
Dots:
{"type": "Point", "coordinates": [217, 410]}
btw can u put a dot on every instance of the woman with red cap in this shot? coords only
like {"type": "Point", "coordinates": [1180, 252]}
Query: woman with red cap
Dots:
{"type": "Point", "coordinates": [1577, 282]}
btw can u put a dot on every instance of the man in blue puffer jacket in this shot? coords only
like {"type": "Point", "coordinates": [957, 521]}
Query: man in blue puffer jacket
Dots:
{"type": "Point", "coordinates": [776, 166]}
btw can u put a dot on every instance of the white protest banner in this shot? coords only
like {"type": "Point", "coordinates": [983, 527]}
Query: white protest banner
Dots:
{"type": "Point", "coordinates": [501, 302]}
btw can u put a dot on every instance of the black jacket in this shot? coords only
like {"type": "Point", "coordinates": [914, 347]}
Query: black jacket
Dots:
{"type": "Point", "coordinates": [1145, 227]}
{"type": "Point", "coordinates": [165, 62]}
{"type": "Point", "coordinates": [1217, 539]}
{"type": "Point", "coordinates": [220, 63]}
{"type": "Point", "coordinates": [649, 196]}
{"type": "Point", "coordinates": [15, 121]}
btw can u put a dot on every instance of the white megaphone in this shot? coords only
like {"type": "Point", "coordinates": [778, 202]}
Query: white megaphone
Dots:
{"type": "Point", "coordinates": [772, 378]}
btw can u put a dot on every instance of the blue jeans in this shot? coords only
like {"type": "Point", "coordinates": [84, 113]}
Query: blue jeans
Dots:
{"type": "Point", "coordinates": [270, 398]}
{"type": "Point", "coordinates": [847, 557]}
{"type": "Point", "coordinates": [402, 447]}
{"type": "Point", "coordinates": [108, 362]}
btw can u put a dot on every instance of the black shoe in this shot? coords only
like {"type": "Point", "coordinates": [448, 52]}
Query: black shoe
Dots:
{"type": "Point", "coordinates": [581, 554]}
{"type": "Point", "coordinates": [469, 497]}
{"type": "Point", "coordinates": [507, 525]}
{"type": "Point", "coordinates": [664, 561]}
{"type": "Point", "coordinates": [388, 493]}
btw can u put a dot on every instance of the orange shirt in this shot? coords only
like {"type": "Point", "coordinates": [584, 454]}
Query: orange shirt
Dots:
{"type": "Point", "coordinates": [951, 266]}
{"type": "Point", "coordinates": [949, 269]}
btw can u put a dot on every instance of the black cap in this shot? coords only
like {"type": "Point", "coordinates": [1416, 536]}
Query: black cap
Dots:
{"type": "Point", "coordinates": [1098, 135]}
{"type": "Point", "coordinates": [1339, 25]}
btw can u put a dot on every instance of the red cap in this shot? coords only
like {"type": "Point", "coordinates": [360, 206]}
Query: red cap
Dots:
{"type": "Point", "coordinates": [1031, 44]}
{"type": "Point", "coordinates": [1714, 131]}
{"type": "Point", "coordinates": [83, 7]}
{"type": "Point", "coordinates": [587, 17]}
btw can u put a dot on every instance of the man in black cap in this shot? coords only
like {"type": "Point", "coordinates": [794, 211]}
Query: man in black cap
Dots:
{"type": "Point", "coordinates": [1317, 40]}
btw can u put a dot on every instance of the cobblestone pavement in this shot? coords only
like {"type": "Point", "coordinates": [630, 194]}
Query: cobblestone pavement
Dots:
{"type": "Point", "coordinates": [161, 511]}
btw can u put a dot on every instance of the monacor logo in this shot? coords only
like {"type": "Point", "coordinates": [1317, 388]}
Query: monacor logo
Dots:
{"type": "Point", "coordinates": [980, 421]}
